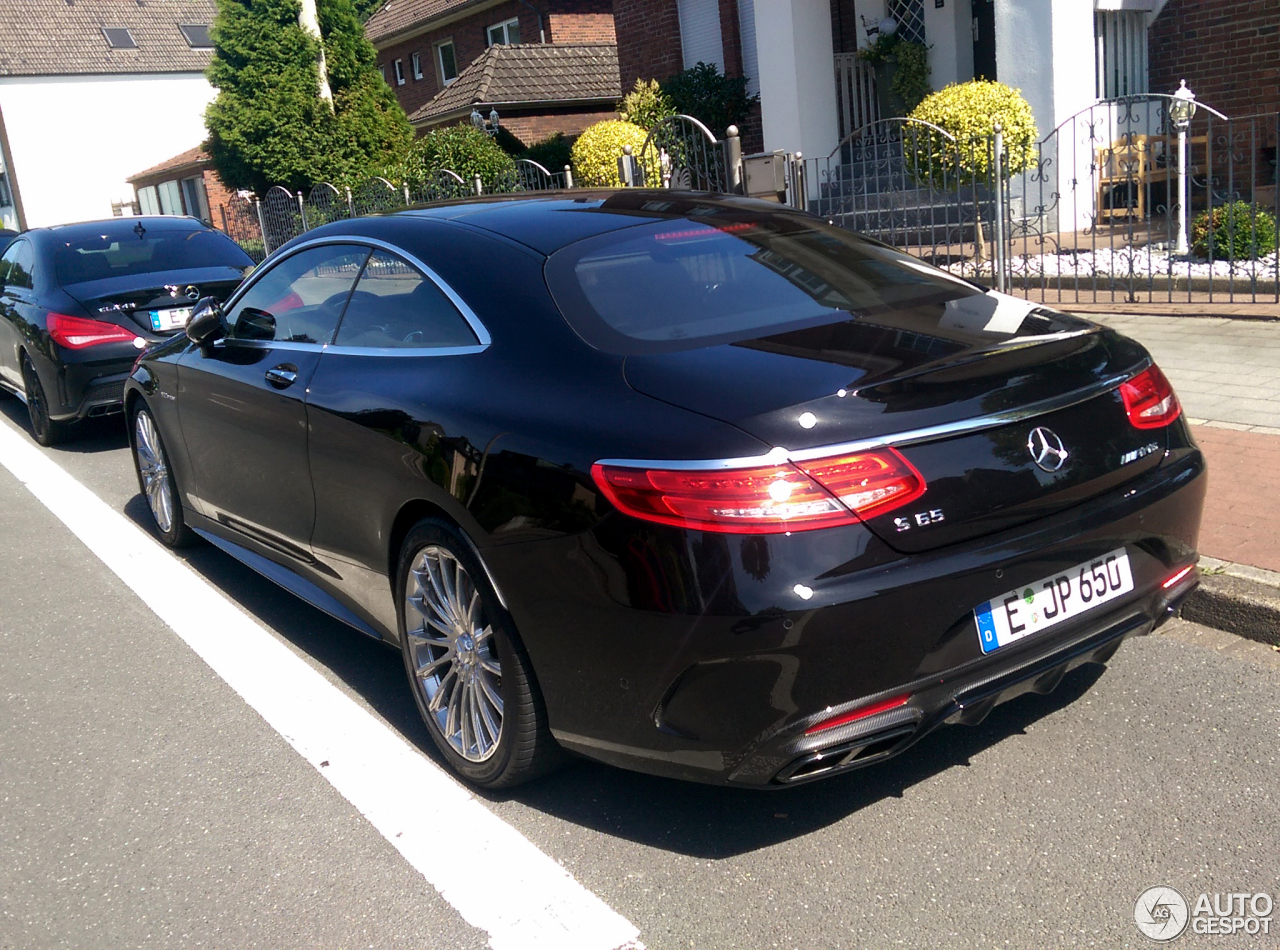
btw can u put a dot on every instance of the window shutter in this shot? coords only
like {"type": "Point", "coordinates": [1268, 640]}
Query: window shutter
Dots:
{"type": "Point", "coordinates": [700, 32]}
{"type": "Point", "coordinates": [747, 31]}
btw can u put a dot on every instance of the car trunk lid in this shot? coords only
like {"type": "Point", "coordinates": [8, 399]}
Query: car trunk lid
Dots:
{"type": "Point", "coordinates": [153, 302]}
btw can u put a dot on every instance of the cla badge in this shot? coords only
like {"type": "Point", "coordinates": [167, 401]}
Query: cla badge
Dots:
{"type": "Point", "coordinates": [1046, 449]}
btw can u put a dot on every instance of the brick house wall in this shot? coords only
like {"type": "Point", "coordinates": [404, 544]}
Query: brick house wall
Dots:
{"type": "Point", "coordinates": [217, 194]}
{"type": "Point", "coordinates": [1228, 51]}
{"type": "Point", "coordinates": [530, 129]}
{"type": "Point", "coordinates": [564, 21]}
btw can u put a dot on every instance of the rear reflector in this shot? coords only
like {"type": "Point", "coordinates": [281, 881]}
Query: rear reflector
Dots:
{"type": "Point", "coordinates": [768, 499]}
{"type": "Point", "coordinates": [854, 715]}
{"type": "Point", "coordinates": [76, 333]}
{"type": "Point", "coordinates": [1149, 400]}
{"type": "Point", "coordinates": [1177, 577]}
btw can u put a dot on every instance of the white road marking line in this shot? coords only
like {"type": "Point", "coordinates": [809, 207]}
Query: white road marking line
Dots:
{"type": "Point", "coordinates": [492, 875]}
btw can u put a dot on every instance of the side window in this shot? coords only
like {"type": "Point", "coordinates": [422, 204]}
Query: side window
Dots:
{"type": "Point", "coordinates": [396, 306]}
{"type": "Point", "coordinates": [18, 265]}
{"type": "Point", "coordinates": [300, 299]}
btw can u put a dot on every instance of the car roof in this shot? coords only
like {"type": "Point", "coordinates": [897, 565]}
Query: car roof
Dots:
{"type": "Point", "coordinates": [89, 229]}
{"type": "Point", "coordinates": [551, 220]}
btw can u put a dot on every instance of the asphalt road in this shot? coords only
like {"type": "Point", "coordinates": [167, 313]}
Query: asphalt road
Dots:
{"type": "Point", "coordinates": [143, 803]}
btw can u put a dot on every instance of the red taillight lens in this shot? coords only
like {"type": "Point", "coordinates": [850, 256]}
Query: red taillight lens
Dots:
{"type": "Point", "coordinates": [863, 713]}
{"type": "Point", "coordinates": [1178, 576]}
{"type": "Point", "coordinates": [1149, 399]}
{"type": "Point", "coordinates": [768, 499]}
{"type": "Point", "coordinates": [75, 333]}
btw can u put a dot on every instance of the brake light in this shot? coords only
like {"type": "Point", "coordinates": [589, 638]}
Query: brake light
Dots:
{"type": "Point", "coordinates": [863, 713]}
{"type": "Point", "coordinates": [75, 333]}
{"type": "Point", "coordinates": [1149, 399]}
{"type": "Point", "coordinates": [768, 499]}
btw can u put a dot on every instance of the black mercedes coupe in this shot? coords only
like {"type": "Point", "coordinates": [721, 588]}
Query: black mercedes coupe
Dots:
{"type": "Point", "coordinates": [690, 484]}
{"type": "Point", "coordinates": [78, 301]}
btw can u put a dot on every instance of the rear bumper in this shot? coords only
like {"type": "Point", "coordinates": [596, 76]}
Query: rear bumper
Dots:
{"type": "Point", "coordinates": [706, 660]}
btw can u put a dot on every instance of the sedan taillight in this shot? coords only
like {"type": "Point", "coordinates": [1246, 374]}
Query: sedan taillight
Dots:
{"type": "Point", "coordinates": [1149, 399]}
{"type": "Point", "coordinates": [75, 333]}
{"type": "Point", "coordinates": [769, 499]}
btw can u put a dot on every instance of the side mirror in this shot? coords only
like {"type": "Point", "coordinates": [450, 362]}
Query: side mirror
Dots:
{"type": "Point", "coordinates": [207, 322]}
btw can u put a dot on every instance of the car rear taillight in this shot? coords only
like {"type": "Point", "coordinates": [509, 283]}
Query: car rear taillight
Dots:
{"type": "Point", "coordinates": [75, 333]}
{"type": "Point", "coordinates": [863, 712]}
{"type": "Point", "coordinates": [769, 499]}
{"type": "Point", "coordinates": [1149, 399]}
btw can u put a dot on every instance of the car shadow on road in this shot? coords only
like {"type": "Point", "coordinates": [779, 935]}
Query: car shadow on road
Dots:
{"type": "Point", "coordinates": [701, 821]}
{"type": "Point", "coordinates": [103, 434]}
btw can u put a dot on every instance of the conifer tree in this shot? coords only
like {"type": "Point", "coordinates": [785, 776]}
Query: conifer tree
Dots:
{"type": "Point", "coordinates": [269, 125]}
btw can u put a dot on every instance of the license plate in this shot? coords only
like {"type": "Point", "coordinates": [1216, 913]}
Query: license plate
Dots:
{"type": "Point", "coordinates": [1051, 600]}
{"type": "Point", "coordinates": [170, 319]}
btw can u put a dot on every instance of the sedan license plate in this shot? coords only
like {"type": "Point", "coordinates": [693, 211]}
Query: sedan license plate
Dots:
{"type": "Point", "coordinates": [1051, 600]}
{"type": "Point", "coordinates": [172, 319]}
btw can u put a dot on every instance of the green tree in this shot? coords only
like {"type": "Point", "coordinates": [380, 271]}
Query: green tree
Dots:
{"type": "Point", "coordinates": [269, 124]}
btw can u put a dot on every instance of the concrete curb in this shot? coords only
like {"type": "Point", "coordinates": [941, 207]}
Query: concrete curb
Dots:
{"type": "Point", "coordinates": [1238, 599]}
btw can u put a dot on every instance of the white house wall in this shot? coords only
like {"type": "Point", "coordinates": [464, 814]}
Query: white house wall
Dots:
{"type": "Point", "coordinates": [74, 139]}
{"type": "Point", "coordinates": [797, 76]}
{"type": "Point", "coordinates": [949, 31]}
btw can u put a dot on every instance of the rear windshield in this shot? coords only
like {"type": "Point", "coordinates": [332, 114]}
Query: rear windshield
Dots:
{"type": "Point", "coordinates": [686, 282]}
{"type": "Point", "coordinates": [144, 251]}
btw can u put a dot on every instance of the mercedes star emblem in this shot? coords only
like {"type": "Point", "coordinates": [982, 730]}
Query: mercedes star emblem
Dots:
{"type": "Point", "coordinates": [1046, 449]}
{"type": "Point", "coordinates": [192, 292]}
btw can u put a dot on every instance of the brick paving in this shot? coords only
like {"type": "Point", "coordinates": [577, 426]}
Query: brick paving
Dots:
{"type": "Point", "coordinates": [1227, 375]}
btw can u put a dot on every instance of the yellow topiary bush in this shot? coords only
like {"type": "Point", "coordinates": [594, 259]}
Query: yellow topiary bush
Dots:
{"type": "Point", "coordinates": [970, 111]}
{"type": "Point", "coordinates": [595, 153]}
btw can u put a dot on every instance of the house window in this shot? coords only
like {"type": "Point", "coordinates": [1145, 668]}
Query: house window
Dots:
{"type": "Point", "coordinates": [1121, 39]}
{"type": "Point", "coordinates": [416, 62]}
{"type": "Point", "coordinates": [399, 72]}
{"type": "Point", "coordinates": [700, 32]}
{"type": "Point", "coordinates": [147, 200]}
{"type": "Point", "coordinates": [170, 196]}
{"type": "Point", "coordinates": [119, 38]}
{"type": "Point", "coordinates": [910, 17]}
{"type": "Point", "coordinates": [447, 62]}
{"type": "Point", "coordinates": [382, 71]}
{"type": "Point", "coordinates": [6, 193]}
{"type": "Point", "coordinates": [194, 198]}
{"type": "Point", "coordinates": [504, 33]}
{"type": "Point", "coordinates": [196, 35]}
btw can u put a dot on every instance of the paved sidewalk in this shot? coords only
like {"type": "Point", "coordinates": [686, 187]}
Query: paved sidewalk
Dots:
{"type": "Point", "coordinates": [1227, 375]}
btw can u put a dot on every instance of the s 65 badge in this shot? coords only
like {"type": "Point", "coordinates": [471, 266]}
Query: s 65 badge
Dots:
{"type": "Point", "coordinates": [921, 519]}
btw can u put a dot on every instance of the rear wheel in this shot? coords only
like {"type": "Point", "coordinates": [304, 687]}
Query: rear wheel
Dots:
{"type": "Point", "coordinates": [467, 668]}
{"type": "Point", "coordinates": [45, 430]}
{"type": "Point", "coordinates": [155, 479]}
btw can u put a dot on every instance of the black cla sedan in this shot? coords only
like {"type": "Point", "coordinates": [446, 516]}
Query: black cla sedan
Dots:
{"type": "Point", "coordinates": [689, 484]}
{"type": "Point", "coordinates": [78, 301]}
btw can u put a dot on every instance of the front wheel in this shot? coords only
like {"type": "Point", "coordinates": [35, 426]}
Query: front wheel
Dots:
{"type": "Point", "coordinates": [468, 671]}
{"type": "Point", "coordinates": [155, 479]}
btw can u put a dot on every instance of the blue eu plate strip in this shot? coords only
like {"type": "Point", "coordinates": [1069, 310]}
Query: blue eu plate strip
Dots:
{"type": "Point", "coordinates": [986, 627]}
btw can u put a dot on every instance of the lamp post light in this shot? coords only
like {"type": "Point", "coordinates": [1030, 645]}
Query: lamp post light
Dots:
{"type": "Point", "coordinates": [1181, 110]}
{"type": "Point", "coordinates": [491, 126]}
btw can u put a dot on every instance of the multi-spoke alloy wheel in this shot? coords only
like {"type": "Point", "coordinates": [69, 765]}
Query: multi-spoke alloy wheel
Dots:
{"type": "Point", "coordinates": [155, 473]}
{"type": "Point", "coordinates": [155, 479]}
{"type": "Point", "coordinates": [470, 674]}
{"type": "Point", "coordinates": [453, 653]}
{"type": "Point", "coordinates": [45, 430]}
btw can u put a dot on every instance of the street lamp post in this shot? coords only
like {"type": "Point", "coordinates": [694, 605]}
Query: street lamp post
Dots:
{"type": "Point", "coordinates": [1181, 110]}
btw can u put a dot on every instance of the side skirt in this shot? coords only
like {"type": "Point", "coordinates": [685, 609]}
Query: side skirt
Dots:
{"type": "Point", "coordinates": [298, 586]}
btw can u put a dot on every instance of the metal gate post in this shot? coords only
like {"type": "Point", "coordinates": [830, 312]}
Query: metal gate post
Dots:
{"type": "Point", "coordinates": [1000, 262]}
{"type": "Point", "coordinates": [733, 161]}
{"type": "Point", "coordinates": [302, 210]}
{"type": "Point", "coordinates": [568, 177]}
{"type": "Point", "coordinates": [351, 205]}
{"type": "Point", "coordinates": [262, 226]}
{"type": "Point", "coordinates": [479, 184]}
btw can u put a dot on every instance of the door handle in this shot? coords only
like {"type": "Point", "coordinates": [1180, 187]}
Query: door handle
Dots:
{"type": "Point", "coordinates": [282, 376]}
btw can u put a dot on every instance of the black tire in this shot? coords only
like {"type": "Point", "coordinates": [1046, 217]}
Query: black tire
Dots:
{"type": "Point", "coordinates": [156, 479]}
{"type": "Point", "coordinates": [524, 748]}
{"type": "Point", "coordinates": [46, 430]}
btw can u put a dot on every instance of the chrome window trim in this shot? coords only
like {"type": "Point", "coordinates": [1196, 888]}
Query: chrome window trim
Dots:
{"type": "Point", "coordinates": [477, 327]}
{"type": "Point", "coordinates": [994, 420]}
{"type": "Point", "coordinates": [416, 351]}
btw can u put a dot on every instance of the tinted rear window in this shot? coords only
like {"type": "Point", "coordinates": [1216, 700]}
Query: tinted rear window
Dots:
{"type": "Point", "coordinates": [155, 249]}
{"type": "Point", "coordinates": [686, 282]}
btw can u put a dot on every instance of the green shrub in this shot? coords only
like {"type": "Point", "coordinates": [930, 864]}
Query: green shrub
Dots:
{"type": "Point", "coordinates": [715, 100]}
{"type": "Point", "coordinates": [461, 148]}
{"type": "Point", "coordinates": [552, 153]}
{"type": "Point", "coordinates": [969, 111]}
{"type": "Point", "coordinates": [1239, 231]}
{"type": "Point", "coordinates": [910, 81]}
{"type": "Point", "coordinates": [595, 153]}
{"type": "Point", "coordinates": [646, 105]}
